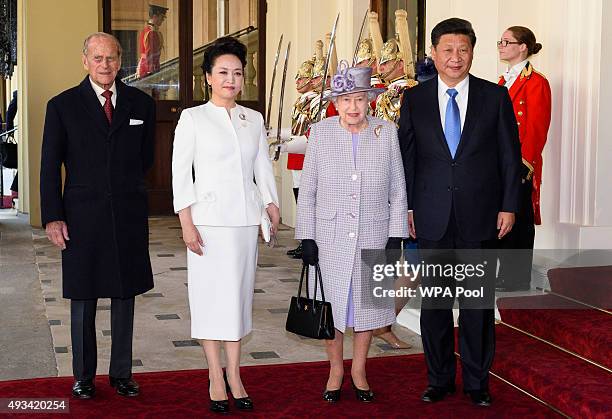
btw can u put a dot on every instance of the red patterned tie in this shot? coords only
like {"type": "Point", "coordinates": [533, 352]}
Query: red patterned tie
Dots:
{"type": "Point", "coordinates": [108, 105]}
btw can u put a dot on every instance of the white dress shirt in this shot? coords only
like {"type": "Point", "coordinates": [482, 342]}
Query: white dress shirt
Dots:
{"type": "Point", "coordinates": [513, 72]}
{"type": "Point", "coordinates": [100, 90]}
{"type": "Point", "coordinates": [462, 88]}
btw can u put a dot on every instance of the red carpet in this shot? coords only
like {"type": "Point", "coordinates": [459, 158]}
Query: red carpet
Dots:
{"type": "Point", "coordinates": [567, 324]}
{"type": "Point", "coordinates": [591, 285]}
{"type": "Point", "coordinates": [286, 391]}
{"type": "Point", "coordinates": [568, 383]}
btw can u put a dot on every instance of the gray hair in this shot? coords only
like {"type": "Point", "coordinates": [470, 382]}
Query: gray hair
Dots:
{"type": "Point", "coordinates": [102, 35]}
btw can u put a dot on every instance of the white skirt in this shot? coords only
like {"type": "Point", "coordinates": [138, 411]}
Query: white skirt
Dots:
{"type": "Point", "coordinates": [221, 283]}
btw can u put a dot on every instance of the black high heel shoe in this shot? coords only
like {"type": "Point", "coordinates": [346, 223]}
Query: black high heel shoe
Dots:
{"type": "Point", "coordinates": [243, 403]}
{"type": "Point", "coordinates": [218, 406]}
{"type": "Point", "coordinates": [332, 396]}
{"type": "Point", "coordinates": [362, 395]}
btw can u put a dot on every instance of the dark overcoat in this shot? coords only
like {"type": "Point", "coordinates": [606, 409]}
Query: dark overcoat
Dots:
{"type": "Point", "coordinates": [104, 199]}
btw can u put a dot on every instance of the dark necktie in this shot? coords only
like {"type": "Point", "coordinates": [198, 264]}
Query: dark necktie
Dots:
{"type": "Point", "coordinates": [108, 105]}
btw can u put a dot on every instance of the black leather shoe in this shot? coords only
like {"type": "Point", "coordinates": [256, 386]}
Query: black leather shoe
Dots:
{"type": "Point", "coordinates": [480, 397]}
{"type": "Point", "coordinates": [362, 395]}
{"type": "Point", "coordinates": [332, 396]}
{"type": "Point", "coordinates": [218, 406]}
{"type": "Point", "coordinates": [125, 386]}
{"type": "Point", "coordinates": [243, 403]}
{"type": "Point", "coordinates": [434, 394]}
{"type": "Point", "coordinates": [83, 389]}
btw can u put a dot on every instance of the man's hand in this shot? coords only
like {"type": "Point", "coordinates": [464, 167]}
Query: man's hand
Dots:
{"type": "Point", "coordinates": [274, 214]}
{"type": "Point", "coordinates": [193, 240]}
{"type": "Point", "coordinates": [57, 233]}
{"type": "Point", "coordinates": [505, 221]}
{"type": "Point", "coordinates": [411, 228]}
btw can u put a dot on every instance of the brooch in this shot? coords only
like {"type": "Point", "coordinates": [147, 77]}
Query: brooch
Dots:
{"type": "Point", "coordinates": [377, 130]}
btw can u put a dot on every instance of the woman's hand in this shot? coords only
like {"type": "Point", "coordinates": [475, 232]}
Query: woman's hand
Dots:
{"type": "Point", "coordinates": [274, 214]}
{"type": "Point", "coordinates": [191, 235]}
{"type": "Point", "coordinates": [193, 240]}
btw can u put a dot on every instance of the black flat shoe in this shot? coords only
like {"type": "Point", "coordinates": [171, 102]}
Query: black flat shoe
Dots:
{"type": "Point", "coordinates": [434, 394]}
{"type": "Point", "coordinates": [218, 406]}
{"type": "Point", "coordinates": [242, 403]}
{"type": "Point", "coordinates": [83, 389]}
{"type": "Point", "coordinates": [362, 395]}
{"type": "Point", "coordinates": [332, 396]}
{"type": "Point", "coordinates": [480, 397]}
{"type": "Point", "coordinates": [125, 386]}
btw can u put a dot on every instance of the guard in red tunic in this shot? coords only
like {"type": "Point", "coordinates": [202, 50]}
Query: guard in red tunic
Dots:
{"type": "Point", "coordinates": [151, 41]}
{"type": "Point", "coordinates": [531, 99]}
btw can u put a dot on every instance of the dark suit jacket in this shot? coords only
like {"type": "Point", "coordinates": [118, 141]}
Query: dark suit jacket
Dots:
{"type": "Point", "coordinates": [104, 200]}
{"type": "Point", "coordinates": [483, 178]}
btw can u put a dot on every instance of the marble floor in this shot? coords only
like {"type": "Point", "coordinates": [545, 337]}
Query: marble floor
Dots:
{"type": "Point", "coordinates": [162, 324]}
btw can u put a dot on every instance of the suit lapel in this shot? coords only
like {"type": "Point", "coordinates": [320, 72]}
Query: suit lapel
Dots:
{"type": "Point", "coordinates": [471, 115]}
{"type": "Point", "coordinates": [434, 116]}
{"type": "Point", "coordinates": [92, 104]}
{"type": "Point", "coordinates": [123, 106]}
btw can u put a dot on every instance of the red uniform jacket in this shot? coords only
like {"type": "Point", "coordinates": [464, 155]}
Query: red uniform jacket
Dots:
{"type": "Point", "coordinates": [150, 44]}
{"type": "Point", "coordinates": [296, 161]}
{"type": "Point", "coordinates": [530, 94]}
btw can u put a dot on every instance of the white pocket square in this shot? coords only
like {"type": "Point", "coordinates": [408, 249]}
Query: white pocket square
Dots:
{"type": "Point", "coordinates": [136, 122]}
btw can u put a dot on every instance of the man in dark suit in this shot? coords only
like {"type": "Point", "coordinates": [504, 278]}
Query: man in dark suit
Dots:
{"type": "Point", "coordinates": [102, 132]}
{"type": "Point", "coordinates": [461, 152]}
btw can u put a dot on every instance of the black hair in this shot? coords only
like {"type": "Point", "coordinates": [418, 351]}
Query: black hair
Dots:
{"type": "Point", "coordinates": [222, 46]}
{"type": "Point", "coordinates": [455, 26]}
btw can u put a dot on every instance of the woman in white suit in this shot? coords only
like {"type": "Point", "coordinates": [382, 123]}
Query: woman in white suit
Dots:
{"type": "Point", "coordinates": [220, 213]}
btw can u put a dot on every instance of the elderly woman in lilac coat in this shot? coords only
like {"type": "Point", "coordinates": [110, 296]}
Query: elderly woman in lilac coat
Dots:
{"type": "Point", "coordinates": [352, 197]}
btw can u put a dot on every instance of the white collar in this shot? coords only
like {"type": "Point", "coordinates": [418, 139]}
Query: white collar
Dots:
{"type": "Point", "coordinates": [515, 70]}
{"type": "Point", "coordinates": [460, 87]}
{"type": "Point", "coordinates": [100, 90]}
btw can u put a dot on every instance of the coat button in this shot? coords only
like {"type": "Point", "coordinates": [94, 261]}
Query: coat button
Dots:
{"type": "Point", "coordinates": [518, 123]}
{"type": "Point", "coordinates": [520, 113]}
{"type": "Point", "coordinates": [350, 214]}
{"type": "Point", "coordinates": [354, 196]}
{"type": "Point", "coordinates": [354, 177]}
{"type": "Point", "coordinates": [449, 188]}
{"type": "Point", "coordinates": [522, 102]}
{"type": "Point", "coordinates": [456, 188]}
{"type": "Point", "coordinates": [352, 235]}
{"type": "Point", "coordinates": [453, 164]}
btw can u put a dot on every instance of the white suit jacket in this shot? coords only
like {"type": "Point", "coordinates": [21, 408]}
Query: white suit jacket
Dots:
{"type": "Point", "coordinates": [226, 153]}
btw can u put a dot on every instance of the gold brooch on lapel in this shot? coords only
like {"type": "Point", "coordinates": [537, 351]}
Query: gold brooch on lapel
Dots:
{"type": "Point", "coordinates": [377, 130]}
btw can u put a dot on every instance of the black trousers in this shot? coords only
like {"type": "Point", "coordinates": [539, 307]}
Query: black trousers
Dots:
{"type": "Point", "coordinates": [516, 248]}
{"type": "Point", "coordinates": [476, 324]}
{"type": "Point", "coordinates": [83, 333]}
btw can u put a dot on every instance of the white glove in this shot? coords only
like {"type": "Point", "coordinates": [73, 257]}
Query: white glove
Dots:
{"type": "Point", "coordinates": [297, 145]}
{"type": "Point", "coordinates": [285, 134]}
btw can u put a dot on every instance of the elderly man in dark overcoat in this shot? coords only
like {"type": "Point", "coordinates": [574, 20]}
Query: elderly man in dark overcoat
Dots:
{"type": "Point", "coordinates": [102, 133]}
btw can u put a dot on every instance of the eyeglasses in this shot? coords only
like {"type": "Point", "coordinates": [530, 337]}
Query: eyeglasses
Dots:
{"type": "Point", "coordinates": [505, 43]}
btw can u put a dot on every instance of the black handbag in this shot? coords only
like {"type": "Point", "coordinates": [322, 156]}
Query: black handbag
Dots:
{"type": "Point", "coordinates": [310, 317]}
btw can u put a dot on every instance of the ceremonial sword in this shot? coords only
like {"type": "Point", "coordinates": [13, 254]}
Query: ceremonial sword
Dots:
{"type": "Point", "coordinates": [278, 141]}
{"type": "Point", "coordinates": [365, 17]}
{"type": "Point", "coordinates": [332, 42]}
{"type": "Point", "coordinates": [269, 110]}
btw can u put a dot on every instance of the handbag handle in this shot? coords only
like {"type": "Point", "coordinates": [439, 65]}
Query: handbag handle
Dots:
{"type": "Point", "coordinates": [318, 281]}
